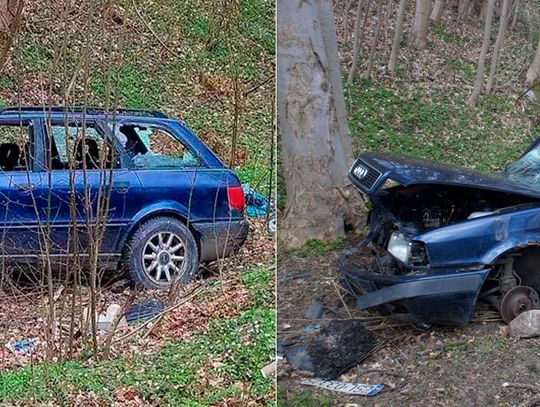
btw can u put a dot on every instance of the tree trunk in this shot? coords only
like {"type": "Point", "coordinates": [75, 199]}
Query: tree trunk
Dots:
{"type": "Point", "coordinates": [436, 13]}
{"type": "Point", "coordinates": [10, 21]}
{"type": "Point", "coordinates": [356, 46]}
{"type": "Point", "coordinates": [315, 141]}
{"type": "Point", "coordinates": [397, 35]}
{"type": "Point", "coordinates": [533, 73]}
{"type": "Point", "coordinates": [515, 15]}
{"type": "Point", "coordinates": [482, 59]}
{"type": "Point", "coordinates": [420, 25]}
{"type": "Point", "coordinates": [347, 14]}
{"type": "Point", "coordinates": [483, 10]}
{"type": "Point", "coordinates": [375, 38]}
{"type": "Point", "coordinates": [498, 45]}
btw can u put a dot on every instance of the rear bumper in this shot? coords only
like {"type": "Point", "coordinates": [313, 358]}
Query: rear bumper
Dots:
{"type": "Point", "coordinates": [221, 239]}
{"type": "Point", "coordinates": [444, 299]}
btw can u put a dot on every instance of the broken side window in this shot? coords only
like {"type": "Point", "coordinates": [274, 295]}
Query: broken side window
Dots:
{"type": "Point", "coordinates": [151, 147]}
{"type": "Point", "coordinates": [85, 146]}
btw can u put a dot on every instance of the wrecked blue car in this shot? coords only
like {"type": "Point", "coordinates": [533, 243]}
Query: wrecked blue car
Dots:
{"type": "Point", "coordinates": [444, 237]}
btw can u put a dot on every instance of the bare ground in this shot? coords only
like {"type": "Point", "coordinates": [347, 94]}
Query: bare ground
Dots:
{"type": "Point", "coordinates": [439, 366]}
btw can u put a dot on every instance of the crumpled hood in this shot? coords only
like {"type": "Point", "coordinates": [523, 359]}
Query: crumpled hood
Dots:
{"type": "Point", "coordinates": [411, 170]}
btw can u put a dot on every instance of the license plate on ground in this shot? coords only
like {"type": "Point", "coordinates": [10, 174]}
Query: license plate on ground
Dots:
{"type": "Point", "coordinates": [349, 388]}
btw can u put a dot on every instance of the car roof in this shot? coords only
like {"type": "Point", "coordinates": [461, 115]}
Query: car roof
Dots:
{"type": "Point", "coordinates": [89, 111]}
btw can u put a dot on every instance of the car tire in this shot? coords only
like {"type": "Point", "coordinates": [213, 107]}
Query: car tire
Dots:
{"type": "Point", "coordinates": [154, 251]}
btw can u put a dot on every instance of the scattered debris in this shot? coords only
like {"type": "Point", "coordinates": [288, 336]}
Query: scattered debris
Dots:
{"type": "Point", "coordinates": [298, 357]}
{"type": "Point", "coordinates": [269, 370]}
{"type": "Point", "coordinates": [344, 387]}
{"type": "Point", "coordinates": [312, 328]}
{"type": "Point", "coordinates": [143, 311]}
{"type": "Point", "coordinates": [315, 310]}
{"type": "Point", "coordinates": [104, 322]}
{"type": "Point", "coordinates": [526, 324]}
{"type": "Point", "coordinates": [339, 346]}
{"type": "Point", "coordinates": [295, 276]}
{"type": "Point", "coordinates": [257, 205]}
{"type": "Point", "coordinates": [23, 347]}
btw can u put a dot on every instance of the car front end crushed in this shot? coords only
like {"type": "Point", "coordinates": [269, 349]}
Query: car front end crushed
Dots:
{"type": "Point", "coordinates": [440, 237]}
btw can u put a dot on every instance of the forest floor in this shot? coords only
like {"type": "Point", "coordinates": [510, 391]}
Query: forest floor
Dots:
{"type": "Point", "coordinates": [208, 351]}
{"type": "Point", "coordinates": [422, 110]}
{"type": "Point", "coordinates": [439, 366]}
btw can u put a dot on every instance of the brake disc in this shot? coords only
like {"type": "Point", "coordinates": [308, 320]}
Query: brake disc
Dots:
{"type": "Point", "coordinates": [517, 300]}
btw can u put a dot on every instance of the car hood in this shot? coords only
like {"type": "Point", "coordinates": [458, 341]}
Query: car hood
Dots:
{"type": "Point", "coordinates": [411, 170]}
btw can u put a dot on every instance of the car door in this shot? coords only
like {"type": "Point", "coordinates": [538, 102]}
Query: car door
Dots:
{"type": "Point", "coordinates": [19, 173]}
{"type": "Point", "coordinates": [88, 186]}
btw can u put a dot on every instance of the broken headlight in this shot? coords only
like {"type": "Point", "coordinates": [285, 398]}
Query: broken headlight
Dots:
{"type": "Point", "coordinates": [389, 183]}
{"type": "Point", "coordinates": [399, 246]}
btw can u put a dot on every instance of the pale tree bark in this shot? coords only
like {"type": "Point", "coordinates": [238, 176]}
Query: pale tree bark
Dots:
{"type": "Point", "coordinates": [436, 13]}
{"type": "Point", "coordinates": [347, 14]}
{"type": "Point", "coordinates": [356, 46]}
{"type": "Point", "coordinates": [397, 35]}
{"type": "Point", "coordinates": [515, 14]}
{"type": "Point", "coordinates": [478, 83]}
{"type": "Point", "coordinates": [420, 25]}
{"type": "Point", "coordinates": [375, 38]}
{"type": "Point", "coordinates": [503, 21]}
{"type": "Point", "coordinates": [315, 141]}
{"type": "Point", "coordinates": [10, 22]}
{"type": "Point", "coordinates": [533, 73]}
{"type": "Point", "coordinates": [464, 8]}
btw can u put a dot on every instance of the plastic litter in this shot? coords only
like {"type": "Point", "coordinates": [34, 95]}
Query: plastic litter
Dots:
{"type": "Point", "coordinates": [257, 205]}
{"type": "Point", "coordinates": [23, 347]}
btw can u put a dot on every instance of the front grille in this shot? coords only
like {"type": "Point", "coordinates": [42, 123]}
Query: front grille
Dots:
{"type": "Point", "coordinates": [370, 178]}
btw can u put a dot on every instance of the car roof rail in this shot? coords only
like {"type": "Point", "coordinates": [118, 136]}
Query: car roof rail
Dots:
{"type": "Point", "coordinates": [92, 110]}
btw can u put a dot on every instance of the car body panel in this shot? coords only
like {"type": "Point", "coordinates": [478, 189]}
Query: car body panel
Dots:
{"type": "Point", "coordinates": [410, 170]}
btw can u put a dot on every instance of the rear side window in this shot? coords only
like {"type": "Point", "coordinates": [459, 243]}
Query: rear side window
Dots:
{"type": "Point", "coordinates": [154, 148]}
{"type": "Point", "coordinates": [15, 147]}
{"type": "Point", "coordinates": [75, 147]}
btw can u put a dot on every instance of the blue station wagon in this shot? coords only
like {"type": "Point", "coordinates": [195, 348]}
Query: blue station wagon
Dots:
{"type": "Point", "coordinates": [137, 185]}
{"type": "Point", "coordinates": [443, 237]}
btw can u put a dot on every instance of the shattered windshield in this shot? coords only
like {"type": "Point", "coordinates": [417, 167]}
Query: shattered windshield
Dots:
{"type": "Point", "coordinates": [526, 170]}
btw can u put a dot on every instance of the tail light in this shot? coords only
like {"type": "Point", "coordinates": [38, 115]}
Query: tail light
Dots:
{"type": "Point", "coordinates": [236, 198]}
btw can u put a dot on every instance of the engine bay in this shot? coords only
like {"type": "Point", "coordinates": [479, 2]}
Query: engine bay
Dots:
{"type": "Point", "coordinates": [424, 207]}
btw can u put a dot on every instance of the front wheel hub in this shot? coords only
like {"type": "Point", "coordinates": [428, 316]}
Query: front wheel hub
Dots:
{"type": "Point", "coordinates": [517, 300]}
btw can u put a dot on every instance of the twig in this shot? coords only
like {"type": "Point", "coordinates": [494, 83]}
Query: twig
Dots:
{"type": "Point", "coordinates": [255, 87]}
{"type": "Point", "coordinates": [342, 301]}
{"type": "Point", "coordinates": [527, 386]}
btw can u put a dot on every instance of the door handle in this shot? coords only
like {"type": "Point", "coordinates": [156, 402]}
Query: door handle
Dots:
{"type": "Point", "coordinates": [122, 186]}
{"type": "Point", "coordinates": [26, 188]}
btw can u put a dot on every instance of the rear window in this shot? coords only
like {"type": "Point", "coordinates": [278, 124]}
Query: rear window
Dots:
{"type": "Point", "coordinates": [152, 147]}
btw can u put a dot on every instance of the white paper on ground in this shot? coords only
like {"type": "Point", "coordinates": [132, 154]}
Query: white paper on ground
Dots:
{"type": "Point", "coordinates": [349, 388]}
